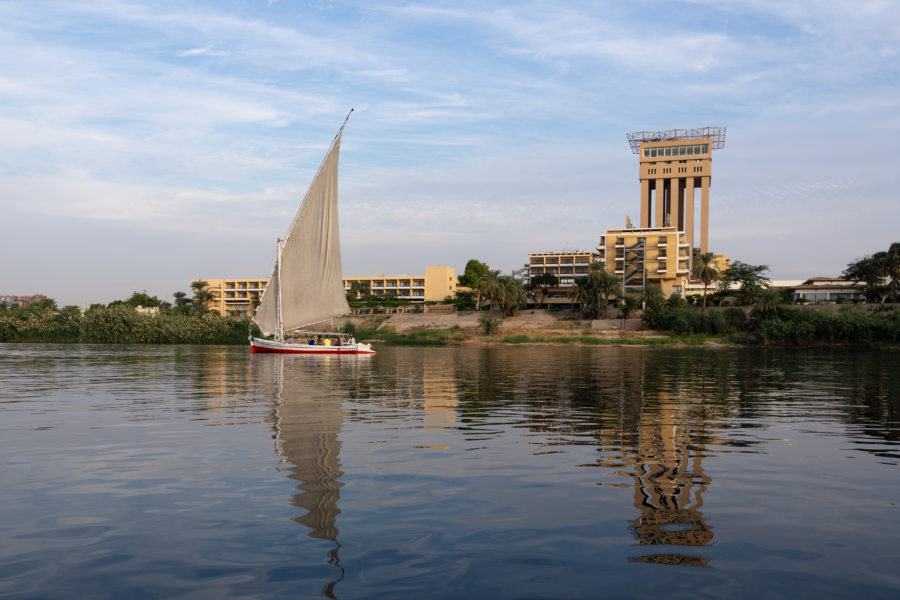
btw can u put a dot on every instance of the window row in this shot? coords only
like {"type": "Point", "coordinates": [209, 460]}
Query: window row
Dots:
{"type": "Point", "coordinates": [676, 151]}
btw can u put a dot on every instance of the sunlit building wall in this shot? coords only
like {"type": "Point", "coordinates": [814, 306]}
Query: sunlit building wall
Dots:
{"type": "Point", "coordinates": [234, 297]}
{"type": "Point", "coordinates": [565, 265]}
{"type": "Point", "coordinates": [437, 283]}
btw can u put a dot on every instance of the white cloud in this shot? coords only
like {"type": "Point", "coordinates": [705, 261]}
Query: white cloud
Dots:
{"type": "Point", "coordinates": [205, 51]}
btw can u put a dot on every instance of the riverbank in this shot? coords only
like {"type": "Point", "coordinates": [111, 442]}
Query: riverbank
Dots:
{"type": "Point", "coordinates": [532, 327]}
{"type": "Point", "coordinates": [789, 327]}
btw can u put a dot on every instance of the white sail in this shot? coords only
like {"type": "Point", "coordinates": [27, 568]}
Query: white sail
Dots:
{"type": "Point", "coordinates": [312, 288]}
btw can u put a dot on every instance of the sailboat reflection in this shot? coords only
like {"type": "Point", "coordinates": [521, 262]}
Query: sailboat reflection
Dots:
{"type": "Point", "coordinates": [307, 417]}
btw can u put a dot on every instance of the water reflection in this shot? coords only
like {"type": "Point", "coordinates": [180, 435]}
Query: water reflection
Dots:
{"type": "Point", "coordinates": [669, 485]}
{"type": "Point", "coordinates": [564, 470]}
{"type": "Point", "coordinates": [307, 394]}
{"type": "Point", "coordinates": [652, 414]}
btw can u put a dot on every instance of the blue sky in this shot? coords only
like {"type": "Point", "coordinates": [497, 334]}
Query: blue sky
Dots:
{"type": "Point", "coordinates": [143, 145]}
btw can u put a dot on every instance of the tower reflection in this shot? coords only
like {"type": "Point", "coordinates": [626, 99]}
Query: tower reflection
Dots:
{"type": "Point", "coordinates": [665, 461]}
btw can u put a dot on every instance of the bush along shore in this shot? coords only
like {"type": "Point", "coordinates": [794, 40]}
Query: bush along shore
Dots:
{"type": "Point", "coordinates": [120, 324]}
{"type": "Point", "coordinates": [669, 322]}
{"type": "Point", "coordinates": [673, 322]}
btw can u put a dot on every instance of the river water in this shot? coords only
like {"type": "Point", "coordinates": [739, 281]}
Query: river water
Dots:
{"type": "Point", "coordinates": [462, 472]}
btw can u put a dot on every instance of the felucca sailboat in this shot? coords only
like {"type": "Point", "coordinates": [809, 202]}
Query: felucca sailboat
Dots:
{"type": "Point", "coordinates": [306, 287]}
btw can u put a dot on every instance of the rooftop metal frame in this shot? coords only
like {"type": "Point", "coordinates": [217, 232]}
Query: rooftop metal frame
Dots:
{"type": "Point", "coordinates": [716, 136]}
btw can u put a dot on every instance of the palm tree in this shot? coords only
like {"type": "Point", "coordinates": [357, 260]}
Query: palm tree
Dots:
{"type": "Point", "coordinates": [604, 284]}
{"type": "Point", "coordinates": [181, 299]}
{"type": "Point", "coordinates": [489, 287]}
{"type": "Point", "coordinates": [202, 296]}
{"type": "Point", "coordinates": [360, 289]}
{"type": "Point", "coordinates": [768, 302]}
{"type": "Point", "coordinates": [581, 293]}
{"type": "Point", "coordinates": [512, 294]}
{"type": "Point", "coordinates": [540, 284]}
{"type": "Point", "coordinates": [653, 297]}
{"type": "Point", "coordinates": [628, 306]}
{"type": "Point", "coordinates": [705, 270]}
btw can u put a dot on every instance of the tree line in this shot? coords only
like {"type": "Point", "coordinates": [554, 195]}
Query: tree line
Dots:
{"type": "Point", "coordinates": [880, 272]}
{"type": "Point", "coordinates": [121, 321]}
{"type": "Point", "coordinates": [763, 315]}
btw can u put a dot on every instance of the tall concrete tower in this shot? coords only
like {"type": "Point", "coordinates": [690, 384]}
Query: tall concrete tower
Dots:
{"type": "Point", "coordinates": [674, 164]}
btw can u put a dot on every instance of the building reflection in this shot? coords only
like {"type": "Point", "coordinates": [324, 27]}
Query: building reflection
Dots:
{"type": "Point", "coordinates": [646, 410]}
{"type": "Point", "coordinates": [665, 461]}
{"type": "Point", "coordinates": [307, 418]}
{"type": "Point", "coordinates": [440, 397]}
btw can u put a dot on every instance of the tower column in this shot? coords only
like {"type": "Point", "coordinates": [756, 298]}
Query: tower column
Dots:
{"type": "Point", "coordinates": [645, 203]}
{"type": "Point", "coordinates": [704, 216]}
{"type": "Point", "coordinates": [689, 213]}
{"type": "Point", "coordinates": [660, 198]}
{"type": "Point", "coordinates": [674, 202]}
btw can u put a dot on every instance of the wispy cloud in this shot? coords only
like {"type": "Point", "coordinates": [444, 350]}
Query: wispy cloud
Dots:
{"type": "Point", "coordinates": [205, 51]}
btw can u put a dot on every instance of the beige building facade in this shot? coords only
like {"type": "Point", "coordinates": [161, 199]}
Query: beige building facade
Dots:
{"type": "Point", "coordinates": [675, 168]}
{"type": "Point", "coordinates": [235, 297]}
{"type": "Point", "coordinates": [566, 266]}
{"type": "Point", "coordinates": [240, 297]}
{"type": "Point", "coordinates": [675, 174]}
{"type": "Point", "coordinates": [647, 256]}
{"type": "Point", "coordinates": [437, 283]}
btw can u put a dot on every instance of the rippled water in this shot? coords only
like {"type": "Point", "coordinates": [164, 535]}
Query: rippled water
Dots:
{"type": "Point", "coordinates": [520, 472]}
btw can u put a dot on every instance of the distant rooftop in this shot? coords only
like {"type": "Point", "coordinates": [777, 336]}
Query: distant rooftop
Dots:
{"type": "Point", "coordinates": [716, 136]}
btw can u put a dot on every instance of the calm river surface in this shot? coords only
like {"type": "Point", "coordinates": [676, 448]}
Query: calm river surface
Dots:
{"type": "Point", "coordinates": [510, 472]}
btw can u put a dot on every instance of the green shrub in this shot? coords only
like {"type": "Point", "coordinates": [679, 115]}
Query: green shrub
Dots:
{"type": "Point", "coordinates": [714, 322]}
{"type": "Point", "coordinates": [734, 317]}
{"type": "Point", "coordinates": [489, 326]}
{"type": "Point", "coordinates": [517, 339]}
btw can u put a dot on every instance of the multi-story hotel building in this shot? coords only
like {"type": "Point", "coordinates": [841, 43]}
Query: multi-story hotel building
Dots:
{"type": "Point", "coordinates": [435, 285]}
{"type": "Point", "coordinates": [675, 166]}
{"type": "Point", "coordinates": [647, 256]}
{"type": "Point", "coordinates": [566, 266]}
{"type": "Point", "coordinates": [240, 297]}
{"type": "Point", "coordinates": [234, 297]}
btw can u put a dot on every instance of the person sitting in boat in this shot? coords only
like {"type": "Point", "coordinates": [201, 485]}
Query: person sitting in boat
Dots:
{"type": "Point", "coordinates": [351, 341]}
{"type": "Point", "coordinates": [311, 341]}
{"type": "Point", "coordinates": [327, 341]}
{"type": "Point", "coordinates": [319, 340]}
{"type": "Point", "coordinates": [337, 341]}
{"type": "Point", "coordinates": [290, 340]}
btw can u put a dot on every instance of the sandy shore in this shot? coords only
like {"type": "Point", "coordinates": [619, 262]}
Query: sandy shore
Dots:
{"type": "Point", "coordinates": [530, 322]}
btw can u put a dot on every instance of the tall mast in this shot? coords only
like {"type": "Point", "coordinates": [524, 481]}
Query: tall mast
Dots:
{"type": "Point", "coordinates": [279, 334]}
